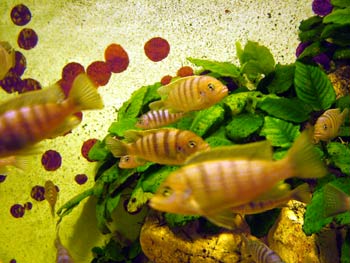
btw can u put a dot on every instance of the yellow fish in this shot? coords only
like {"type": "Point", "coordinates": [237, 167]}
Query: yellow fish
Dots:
{"type": "Point", "coordinates": [328, 124]}
{"type": "Point", "coordinates": [37, 115]}
{"type": "Point", "coordinates": [301, 194]}
{"type": "Point", "coordinates": [212, 187]}
{"type": "Point", "coordinates": [7, 58]}
{"type": "Point", "coordinates": [50, 195]}
{"type": "Point", "coordinates": [130, 161]}
{"type": "Point", "coordinates": [63, 255]}
{"type": "Point", "coordinates": [335, 201]}
{"type": "Point", "coordinates": [157, 118]}
{"type": "Point", "coordinates": [190, 94]}
{"type": "Point", "coordinates": [163, 146]}
{"type": "Point", "coordinates": [260, 252]}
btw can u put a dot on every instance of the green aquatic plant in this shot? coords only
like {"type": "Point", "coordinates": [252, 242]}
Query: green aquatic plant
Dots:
{"type": "Point", "coordinates": [266, 101]}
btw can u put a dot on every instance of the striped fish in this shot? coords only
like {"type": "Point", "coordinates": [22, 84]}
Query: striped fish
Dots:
{"type": "Point", "coordinates": [7, 58]}
{"type": "Point", "coordinates": [34, 116]}
{"type": "Point", "coordinates": [50, 195]}
{"type": "Point", "coordinates": [157, 118]}
{"type": "Point", "coordinates": [328, 124]}
{"type": "Point", "coordinates": [63, 255]}
{"type": "Point", "coordinates": [190, 94]}
{"type": "Point", "coordinates": [210, 188]}
{"type": "Point", "coordinates": [163, 146]}
{"type": "Point", "coordinates": [130, 161]}
{"type": "Point", "coordinates": [301, 194]}
{"type": "Point", "coordinates": [260, 252]}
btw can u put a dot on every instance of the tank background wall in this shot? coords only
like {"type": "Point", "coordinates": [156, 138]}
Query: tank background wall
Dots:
{"type": "Point", "coordinates": [80, 31]}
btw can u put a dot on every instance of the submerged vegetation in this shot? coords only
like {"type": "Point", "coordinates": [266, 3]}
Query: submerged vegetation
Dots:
{"type": "Point", "coordinates": [266, 101]}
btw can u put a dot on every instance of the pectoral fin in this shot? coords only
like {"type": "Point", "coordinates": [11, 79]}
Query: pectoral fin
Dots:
{"type": "Point", "coordinates": [229, 220]}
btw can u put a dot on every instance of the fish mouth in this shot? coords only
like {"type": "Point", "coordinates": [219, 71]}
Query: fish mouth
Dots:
{"type": "Point", "coordinates": [224, 90]}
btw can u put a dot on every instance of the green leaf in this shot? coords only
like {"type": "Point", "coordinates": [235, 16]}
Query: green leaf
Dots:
{"type": "Point", "coordinates": [342, 53]}
{"type": "Point", "coordinates": [340, 3]}
{"type": "Point", "coordinates": [132, 107]}
{"type": "Point", "coordinates": [237, 102]}
{"type": "Point", "coordinates": [215, 141]}
{"type": "Point", "coordinates": [225, 69]}
{"type": "Point", "coordinates": [243, 125]}
{"type": "Point", "coordinates": [176, 220]}
{"type": "Point", "coordinates": [312, 50]}
{"type": "Point", "coordinates": [152, 178]}
{"type": "Point", "coordinates": [279, 132]}
{"type": "Point", "coordinates": [310, 23]}
{"type": "Point", "coordinates": [138, 198]}
{"type": "Point", "coordinates": [313, 86]}
{"type": "Point", "coordinates": [151, 95]}
{"type": "Point", "coordinates": [208, 119]}
{"type": "Point", "coordinates": [259, 57]}
{"type": "Point", "coordinates": [119, 127]}
{"type": "Point", "coordinates": [285, 109]}
{"type": "Point", "coordinates": [98, 152]}
{"type": "Point", "coordinates": [112, 203]}
{"type": "Point", "coordinates": [101, 216]}
{"type": "Point", "coordinates": [312, 34]}
{"type": "Point", "coordinates": [340, 156]}
{"type": "Point", "coordinates": [338, 16]}
{"type": "Point", "coordinates": [337, 34]}
{"type": "Point", "coordinates": [283, 78]}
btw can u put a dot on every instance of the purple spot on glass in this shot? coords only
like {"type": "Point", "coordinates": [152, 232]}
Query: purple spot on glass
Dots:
{"type": "Point", "coordinates": [28, 206]}
{"type": "Point", "coordinates": [13, 261]}
{"type": "Point", "coordinates": [51, 160]}
{"type": "Point", "coordinates": [17, 210]}
{"type": "Point", "coordinates": [322, 7]}
{"type": "Point", "coordinates": [38, 193]}
{"type": "Point", "coordinates": [2, 178]}
{"type": "Point", "coordinates": [81, 178]}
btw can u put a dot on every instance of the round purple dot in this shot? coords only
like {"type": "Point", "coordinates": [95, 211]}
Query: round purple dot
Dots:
{"type": "Point", "coordinates": [2, 178]}
{"type": "Point", "coordinates": [81, 178]}
{"type": "Point", "coordinates": [13, 261]}
{"type": "Point", "coordinates": [17, 210]}
{"type": "Point", "coordinates": [28, 206]}
{"type": "Point", "coordinates": [38, 193]}
{"type": "Point", "coordinates": [51, 160]}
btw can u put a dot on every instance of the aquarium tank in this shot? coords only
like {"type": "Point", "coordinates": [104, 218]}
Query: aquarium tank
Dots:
{"type": "Point", "coordinates": [174, 131]}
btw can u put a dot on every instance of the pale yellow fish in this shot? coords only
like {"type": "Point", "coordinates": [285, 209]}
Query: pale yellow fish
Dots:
{"type": "Point", "coordinates": [301, 194]}
{"type": "Point", "coordinates": [163, 146]}
{"type": "Point", "coordinates": [37, 115]}
{"type": "Point", "coordinates": [335, 200]}
{"type": "Point", "coordinates": [212, 187]}
{"type": "Point", "coordinates": [190, 94]}
{"type": "Point", "coordinates": [130, 161]}
{"type": "Point", "coordinates": [63, 255]}
{"type": "Point", "coordinates": [51, 195]}
{"type": "Point", "coordinates": [260, 252]}
{"type": "Point", "coordinates": [7, 58]}
{"type": "Point", "coordinates": [328, 124]}
{"type": "Point", "coordinates": [157, 118]}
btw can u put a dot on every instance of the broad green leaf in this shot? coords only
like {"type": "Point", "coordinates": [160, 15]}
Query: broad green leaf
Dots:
{"type": "Point", "coordinates": [132, 107]}
{"type": "Point", "coordinates": [215, 141]}
{"type": "Point", "coordinates": [98, 152]}
{"type": "Point", "coordinates": [261, 55]}
{"type": "Point", "coordinates": [340, 156]}
{"type": "Point", "coordinates": [313, 86]}
{"type": "Point", "coordinates": [151, 95]}
{"type": "Point", "coordinates": [208, 119]}
{"type": "Point", "coordinates": [340, 3]}
{"type": "Point", "coordinates": [119, 127]}
{"type": "Point", "coordinates": [312, 50]}
{"type": "Point", "coordinates": [112, 203]}
{"type": "Point", "coordinates": [286, 109]}
{"type": "Point", "coordinates": [339, 16]}
{"type": "Point", "coordinates": [279, 133]}
{"type": "Point", "coordinates": [101, 216]}
{"type": "Point", "coordinates": [337, 34]}
{"type": "Point", "coordinates": [310, 23]}
{"type": "Point", "coordinates": [283, 78]}
{"type": "Point", "coordinates": [225, 69]}
{"type": "Point", "coordinates": [312, 34]}
{"type": "Point", "coordinates": [243, 125]}
{"type": "Point", "coordinates": [153, 178]}
{"type": "Point", "coordinates": [342, 53]}
{"type": "Point", "coordinates": [237, 102]}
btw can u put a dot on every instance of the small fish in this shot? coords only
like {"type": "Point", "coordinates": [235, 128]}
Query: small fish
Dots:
{"type": "Point", "coordinates": [50, 195]}
{"type": "Point", "coordinates": [211, 187]}
{"type": "Point", "coordinates": [7, 58]}
{"type": "Point", "coordinates": [157, 118]}
{"type": "Point", "coordinates": [164, 146]}
{"type": "Point", "coordinates": [130, 161]}
{"type": "Point", "coordinates": [301, 194]}
{"type": "Point", "coordinates": [260, 252]}
{"type": "Point", "coordinates": [63, 255]}
{"type": "Point", "coordinates": [328, 124]}
{"type": "Point", "coordinates": [190, 94]}
{"type": "Point", "coordinates": [335, 201]}
{"type": "Point", "coordinates": [37, 115]}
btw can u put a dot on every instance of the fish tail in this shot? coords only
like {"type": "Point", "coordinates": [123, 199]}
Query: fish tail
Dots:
{"type": "Point", "coordinates": [21, 162]}
{"type": "Point", "coordinates": [117, 147]}
{"type": "Point", "coordinates": [304, 159]}
{"type": "Point", "coordinates": [156, 105]}
{"type": "Point", "coordinates": [84, 94]}
{"type": "Point", "coordinates": [302, 193]}
{"type": "Point", "coordinates": [335, 201]}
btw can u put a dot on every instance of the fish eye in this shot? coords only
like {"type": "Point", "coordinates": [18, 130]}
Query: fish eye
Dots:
{"type": "Point", "coordinates": [192, 144]}
{"type": "Point", "coordinates": [167, 191]}
{"type": "Point", "coordinates": [126, 158]}
{"type": "Point", "coordinates": [325, 127]}
{"type": "Point", "coordinates": [211, 86]}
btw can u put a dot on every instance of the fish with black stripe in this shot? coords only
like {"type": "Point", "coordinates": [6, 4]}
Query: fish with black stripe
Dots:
{"type": "Point", "coordinates": [164, 146]}
{"type": "Point", "coordinates": [157, 118]}
{"type": "Point", "coordinates": [190, 94]}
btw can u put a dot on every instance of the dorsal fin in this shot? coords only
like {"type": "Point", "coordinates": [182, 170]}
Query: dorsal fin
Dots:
{"type": "Point", "coordinates": [163, 91]}
{"type": "Point", "coordinates": [133, 135]}
{"type": "Point", "coordinates": [261, 150]}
